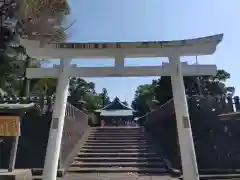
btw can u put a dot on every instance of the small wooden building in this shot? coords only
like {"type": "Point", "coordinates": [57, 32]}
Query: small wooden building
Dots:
{"type": "Point", "coordinates": [116, 113]}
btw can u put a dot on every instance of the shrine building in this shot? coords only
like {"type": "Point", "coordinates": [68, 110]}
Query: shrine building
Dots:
{"type": "Point", "coordinates": [116, 113]}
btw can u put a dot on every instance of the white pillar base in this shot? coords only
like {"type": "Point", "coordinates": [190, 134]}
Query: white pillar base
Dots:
{"type": "Point", "coordinates": [56, 129]}
{"type": "Point", "coordinates": [188, 157]}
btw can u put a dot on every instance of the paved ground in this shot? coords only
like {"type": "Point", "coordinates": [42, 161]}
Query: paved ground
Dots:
{"type": "Point", "coordinates": [219, 177]}
{"type": "Point", "coordinates": [132, 176]}
{"type": "Point", "coordinates": [115, 176]}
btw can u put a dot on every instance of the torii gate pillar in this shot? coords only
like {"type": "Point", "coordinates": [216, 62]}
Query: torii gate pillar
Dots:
{"type": "Point", "coordinates": [56, 129]}
{"type": "Point", "coordinates": [188, 156]}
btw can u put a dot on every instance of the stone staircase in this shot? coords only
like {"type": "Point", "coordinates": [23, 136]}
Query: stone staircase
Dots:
{"type": "Point", "coordinates": [118, 150]}
{"type": "Point", "coordinates": [122, 153]}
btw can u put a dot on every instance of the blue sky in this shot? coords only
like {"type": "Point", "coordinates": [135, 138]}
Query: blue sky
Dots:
{"type": "Point", "coordinates": [146, 20]}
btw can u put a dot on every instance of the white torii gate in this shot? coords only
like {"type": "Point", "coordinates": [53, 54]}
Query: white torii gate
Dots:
{"type": "Point", "coordinates": [171, 49]}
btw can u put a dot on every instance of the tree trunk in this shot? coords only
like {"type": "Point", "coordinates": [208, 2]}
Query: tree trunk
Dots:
{"type": "Point", "coordinates": [26, 82]}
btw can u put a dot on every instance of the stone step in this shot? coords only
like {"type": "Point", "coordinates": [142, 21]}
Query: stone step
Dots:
{"type": "Point", "coordinates": [117, 135]}
{"type": "Point", "coordinates": [110, 176]}
{"type": "Point", "coordinates": [119, 159]}
{"type": "Point", "coordinates": [218, 177]}
{"type": "Point", "coordinates": [100, 143]}
{"type": "Point", "coordinates": [118, 131]}
{"type": "Point", "coordinates": [123, 150]}
{"type": "Point", "coordinates": [119, 147]}
{"type": "Point", "coordinates": [118, 164]}
{"type": "Point", "coordinates": [130, 154]}
{"type": "Point", "coordinates": [117, 176]}
{"type": "Point", "coordinates": [117, 138]}
{"type": "Point", "coordinates": [121, 169]}
{"type": "Point", "coordinates": [134, 176]}
{"type": "Point", "coordinates": [116, 127]}
{"type": "Point", "coordinates": [115, 143]}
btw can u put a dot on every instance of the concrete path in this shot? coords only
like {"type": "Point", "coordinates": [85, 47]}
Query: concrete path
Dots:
{"type": "Point", "coordinates": [115, 176]}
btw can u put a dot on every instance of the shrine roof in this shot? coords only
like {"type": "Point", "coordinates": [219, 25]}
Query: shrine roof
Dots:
{"type": "Point", "coordinates": [116, 104]}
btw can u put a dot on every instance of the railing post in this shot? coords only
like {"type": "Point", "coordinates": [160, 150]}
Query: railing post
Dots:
{"type": "Point", "coordinates": [230, 104]}
{"type": "Point", "coordinates": [237, 103]}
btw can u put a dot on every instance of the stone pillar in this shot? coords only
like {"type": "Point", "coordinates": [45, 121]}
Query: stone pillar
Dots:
{"type": "Point", "coordinates": [56, 129]}
{"type": "Point", "coordinates": [188, 157]}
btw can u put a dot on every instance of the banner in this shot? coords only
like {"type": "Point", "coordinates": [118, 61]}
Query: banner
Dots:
{"type": "Point", "coordinates": [9, 126]}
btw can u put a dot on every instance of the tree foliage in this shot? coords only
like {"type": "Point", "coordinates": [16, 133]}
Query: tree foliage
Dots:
{"type": "Point", "coordinates": [161, 89]}
{"type": "Point", "coordinates": [104, 98]}
{"type": "Point", "coordinates": [143, 97]}
{"type": "Point", "coordinates": [80, 91]}
{"type": "Point", "coordinates": [13, 81]}
{"type": "Point", "coordinates": [45, 21]}
{"type": "Point", "coordinates": [37, 19]}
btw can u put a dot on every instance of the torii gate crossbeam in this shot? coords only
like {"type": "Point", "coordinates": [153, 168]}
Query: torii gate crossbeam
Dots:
{"type": "Point", "coordinates": [127, 71]}
{"type": "Point", "coordinates": [172, 49]}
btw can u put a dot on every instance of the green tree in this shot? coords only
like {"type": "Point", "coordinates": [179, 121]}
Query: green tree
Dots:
{"type": "Point", "coordinates": [104, 97]}
{"type": "Point", "coordinates": [13, 71]}
{"type": "Point", "coordinates": [46, 86]}
{"type": "Point", "coordinates": [142, 99]}
{"type": "Point", "coordinates": [203, 85]}
{"type": "Point", "coordinates": [80, 91]}
{"type": "Point", "coordinates": [24, 61]}
{"type": "Point", "coordinates": [48, 23]}
{"type": "Point", "coordinates": [7, 59]}
{"type": "Point", "coordinates": [161, 89]}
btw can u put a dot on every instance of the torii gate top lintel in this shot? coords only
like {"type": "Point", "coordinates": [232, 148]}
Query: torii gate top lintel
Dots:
{"type": "Point", "coordinates": [189, 47]}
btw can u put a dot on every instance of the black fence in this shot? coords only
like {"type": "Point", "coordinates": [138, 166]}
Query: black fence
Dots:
{"type": "Point", "coordinates": [45, 103]}
{"type": "Point", "coordinates": [224, 104]}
